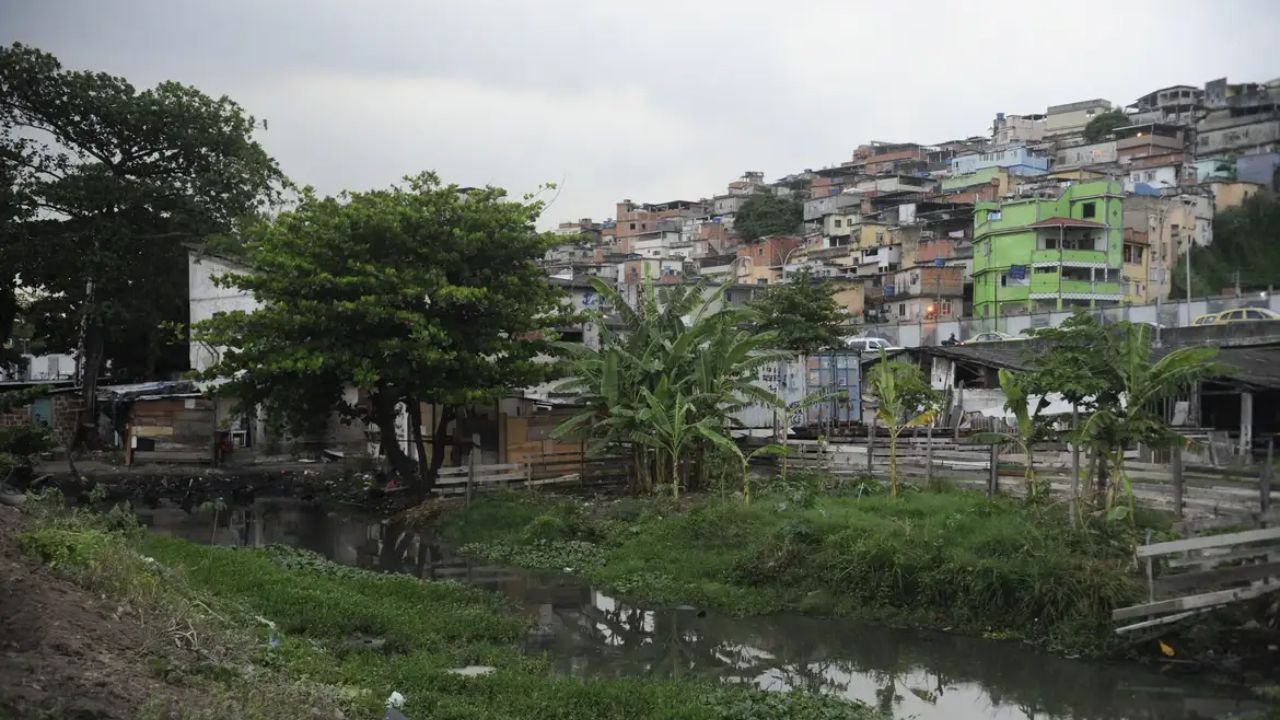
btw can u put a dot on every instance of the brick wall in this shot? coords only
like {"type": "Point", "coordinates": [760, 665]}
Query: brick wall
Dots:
{"type": "Point", "coordinates": [63, 424]}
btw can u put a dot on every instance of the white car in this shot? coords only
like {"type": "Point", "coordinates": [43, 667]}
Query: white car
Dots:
{"type": "Point", "coordinates": [870, 345]}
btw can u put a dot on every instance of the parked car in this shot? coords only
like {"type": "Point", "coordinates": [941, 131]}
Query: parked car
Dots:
{"type": "Point", "coordinates": [1236, 315]}
{"type": "Point", "coordinates": [988, 337]}
{"type": "Point", "coordinates": [870, 345]}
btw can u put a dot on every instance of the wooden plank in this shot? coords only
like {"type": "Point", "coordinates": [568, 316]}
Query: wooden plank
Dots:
{"type": "Point", "coordinates": [480, 479]}
{"type": "Point", "coordinates": [1209, 541]}
{"type": "Point", "coordinates": [152, 431]}
{"type": "Point", "coordinates": [1219, 576]}
{"type": "Point", "coordinates": [1249, 520]}
{"type": "Point", "coordinates": [1160, 621]}
{"type": "Point", "coordinates": [1208, 561]}
{"type": "Point", "coordinates": [1192, 602]}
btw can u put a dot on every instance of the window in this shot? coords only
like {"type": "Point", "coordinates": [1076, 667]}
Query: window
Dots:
{"type": "Point", "coordinates": [1235, 315]}
{"type": "Point", "coordinates": [902, 309]}
{"type": "Point", "coordinates": [762, 281]}
{"type": "Point", "coordinates": [837, 223]}
{"type": "Point", "coordinates": [1089, 210]}
{"type": "Point", "coordinates": [1251, 314]}
{"type": "Point", "coordinates": [633, 226]}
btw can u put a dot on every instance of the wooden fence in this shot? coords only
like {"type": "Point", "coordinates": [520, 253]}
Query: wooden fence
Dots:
{"type": "Point", "coordinates": [1191, 490]}
{"type": "Point", "coordinates": [1203, 572]}
{"type": "Point", "coordinates": [548, 470]}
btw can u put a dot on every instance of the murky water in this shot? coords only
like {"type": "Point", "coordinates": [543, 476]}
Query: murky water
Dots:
{"type": "Point", "coordinates": [588, 633]}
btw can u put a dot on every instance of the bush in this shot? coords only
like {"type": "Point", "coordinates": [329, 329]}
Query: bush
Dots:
{"type": "Point", "coordinates": [545, 528]}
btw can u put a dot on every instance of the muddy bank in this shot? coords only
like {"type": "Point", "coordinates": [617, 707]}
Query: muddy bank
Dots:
{"type": "Point", "coordinates": [66, 652]}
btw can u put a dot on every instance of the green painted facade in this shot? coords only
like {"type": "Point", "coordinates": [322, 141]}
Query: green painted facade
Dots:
{"type": "Point", "coordinates": [1075, 265]}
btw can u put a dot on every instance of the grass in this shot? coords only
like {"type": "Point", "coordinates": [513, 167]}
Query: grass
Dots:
{"type": "Point", "coordinates": [947, 559]}
{"type": "Point", "coordinates": [237, 601]}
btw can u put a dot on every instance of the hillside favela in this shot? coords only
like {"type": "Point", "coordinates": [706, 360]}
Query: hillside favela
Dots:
{"type": "Point", "coordinates": [588, 361]}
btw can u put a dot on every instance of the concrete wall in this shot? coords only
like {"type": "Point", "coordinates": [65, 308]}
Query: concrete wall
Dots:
{"type": "Point", "coordinates": [207, 300]}
{"type": "Point", "coordinates": [1021, 157]}
{"type": "Point", "coordinates": [1073, 117]}
{"type": "Point", "coordinates": [1083, 155]}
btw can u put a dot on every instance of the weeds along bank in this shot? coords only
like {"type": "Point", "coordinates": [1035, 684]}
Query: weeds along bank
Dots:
{"type": "Point", "coordinates": [948, 559]}
{"type": "Point", "coordinates": [284, 634]}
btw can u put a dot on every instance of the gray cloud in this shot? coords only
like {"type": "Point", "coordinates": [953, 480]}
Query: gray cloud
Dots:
{"type": "Point", "coordinates": [650, 101]}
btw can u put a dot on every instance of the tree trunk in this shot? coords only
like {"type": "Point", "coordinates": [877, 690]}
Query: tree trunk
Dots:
{"type": "Point", "coordinates": [439, 434]}
{"type": "Point", "coordinates": [675, 476]}
{"type": "Point", "coordinates": [86, 434]}
{"type": "Point", "coordinates": [893, 464]}
{"type": "Point", "coordinates": [384, 413]}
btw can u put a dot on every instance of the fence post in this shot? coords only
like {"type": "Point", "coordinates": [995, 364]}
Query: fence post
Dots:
{"type": "Point", "coordinates": [471, 472]}
{"type": "Point", "coordinates": [871, 449]}
{"type": "Point", "coordinates": [993, 483]}
{"type": "Point", "coordinates": [1176, 462]}
{"type": "Point", "coordinates": [928, 455]}
{"type": "Point", "coordinates": [1264, 483]}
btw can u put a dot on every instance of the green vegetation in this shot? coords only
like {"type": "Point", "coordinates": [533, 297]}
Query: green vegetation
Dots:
{"type": "Point", "coordinates": [665, 385]}
{"type": "Point", "coordinates": [226, 608]}
{"type": "Point", "coordinates": [904, 400]}
{"type": "Point", "coordinates": [416, 294]}
{"type": "Point", "coordinates": [802, 315]}
{"type": "Point", "coordinates": [1103, 125]}
{"type": "Point", "coordinates": [104, 185]}
{"type": "Point", "coordinates": [1243, 249]}
{"type": "Point", "coordinates": [945, 559]}
{"type": "Point", "coordinates": [1109, 372]}
{"type": "Point", "coordinates": [768, 214]}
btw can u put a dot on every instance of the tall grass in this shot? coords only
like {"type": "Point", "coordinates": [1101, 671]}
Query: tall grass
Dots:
{"type": "Point", "coordinates": [948, 559]}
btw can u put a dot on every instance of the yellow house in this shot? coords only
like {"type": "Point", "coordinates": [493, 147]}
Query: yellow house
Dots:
{"type": "Point", "coordinates": [868, 234]}
{"type": "Point", "coordinates": [1137, 267]}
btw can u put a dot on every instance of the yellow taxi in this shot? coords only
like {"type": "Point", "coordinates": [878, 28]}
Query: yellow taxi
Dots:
{"type": "Point", "coordinates": [1237, 315]}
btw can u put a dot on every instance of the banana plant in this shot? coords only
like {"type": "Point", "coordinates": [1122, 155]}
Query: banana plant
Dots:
{"type": "Point", "coordinates": [1029, 427]}
{"type": "Point", "coordinates": [905, 400]}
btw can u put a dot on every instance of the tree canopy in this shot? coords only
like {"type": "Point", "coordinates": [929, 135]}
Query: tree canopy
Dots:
{"type": "Point", "coordinates": [1103, 125]}
{"type": "Point", "coordinates": [114, 181]}
{"type": "Point", "coordinates": [767, 214]}
{"type": "Point", "coordinates": [1244, 242]}
{"type": "Point", "coordinates": [417, 293]}
{"type": "Point", "coordinates": [801, 315]}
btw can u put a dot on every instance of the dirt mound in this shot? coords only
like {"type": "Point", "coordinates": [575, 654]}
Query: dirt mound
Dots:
{"type": "Point", "coordinates": [63, 652]}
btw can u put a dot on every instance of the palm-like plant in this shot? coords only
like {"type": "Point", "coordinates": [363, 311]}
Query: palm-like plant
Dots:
{"type": "Point", "coordinates": [904, 400]}
{"type": "Point", "coordinates": [667, 384]}
{"type": "Point", "coordinates": [1029, 427]}
{"type": "Point", "coordinates": [1128, 416]}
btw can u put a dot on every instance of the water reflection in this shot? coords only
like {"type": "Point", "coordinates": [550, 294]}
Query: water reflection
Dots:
{"type": "Point", "coordinates": [587, 633]}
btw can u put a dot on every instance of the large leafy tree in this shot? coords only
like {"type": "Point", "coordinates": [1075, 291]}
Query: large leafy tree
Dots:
{"type": "Point", "coordinates": [666, 383]}
{"type": "Point", "coordinates": [1103, 125]}
{"type": "Point", "coordinates": [767, 214]}
{"type": "Point", "coordinates": [422, 293]}
{"type": "Point", "coordinates": [115, 180]}
{"type": "Point", "coordinates": [802, 315]}
{"type": "Point", "coordinates": [1244, 248]}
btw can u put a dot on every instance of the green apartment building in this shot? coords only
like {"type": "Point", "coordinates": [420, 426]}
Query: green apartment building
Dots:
{"type": "Point", "coordinates": [1041, 254]}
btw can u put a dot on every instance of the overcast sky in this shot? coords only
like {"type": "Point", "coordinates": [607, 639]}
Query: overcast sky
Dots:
{"type": "Point", "coordinates": [650, 100]}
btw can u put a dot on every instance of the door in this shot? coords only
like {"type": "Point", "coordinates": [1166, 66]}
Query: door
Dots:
{"type": "Point", "coordinates": [42, 412]}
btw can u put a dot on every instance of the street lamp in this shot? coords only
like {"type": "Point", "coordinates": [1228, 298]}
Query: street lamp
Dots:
{"type": "Point", "coordinates": [785, 258]}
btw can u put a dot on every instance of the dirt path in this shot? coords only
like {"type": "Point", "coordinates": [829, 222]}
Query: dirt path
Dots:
{"type": "Point", "coordinates": [63, 654]}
